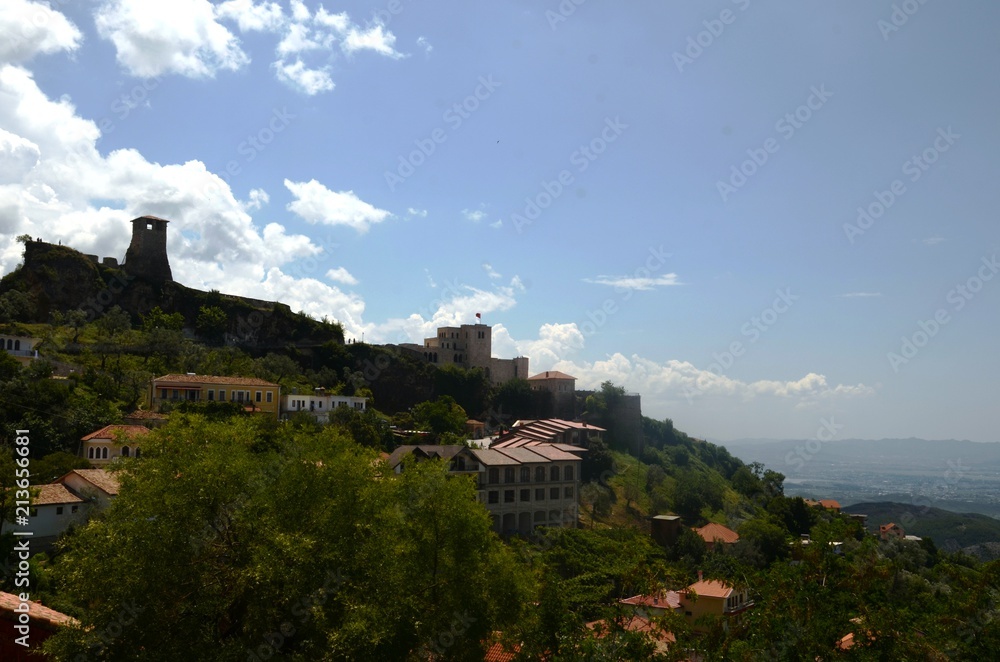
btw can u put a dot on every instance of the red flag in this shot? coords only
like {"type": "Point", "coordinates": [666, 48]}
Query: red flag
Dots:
{"type": "Point", "coordinates": [479, 316]}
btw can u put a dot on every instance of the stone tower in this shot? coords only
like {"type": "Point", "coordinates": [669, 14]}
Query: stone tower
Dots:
{"type": "Point", "coordinates": [146, 256]}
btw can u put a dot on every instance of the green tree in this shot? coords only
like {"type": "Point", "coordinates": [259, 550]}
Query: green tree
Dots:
{"type": "Point", "coordinates": [212, 323]}
{"type": "Point", "coordinates": [441, 415]}
{"type": "Point", "coordinates": [157, 319]}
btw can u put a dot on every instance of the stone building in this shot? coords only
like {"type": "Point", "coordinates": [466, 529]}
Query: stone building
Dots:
{"type": "Point", "coordinates": [470, 346]}
{"type": "Point", "coordinates": [146, 256]}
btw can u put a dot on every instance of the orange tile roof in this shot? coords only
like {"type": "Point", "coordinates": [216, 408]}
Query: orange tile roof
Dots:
{"type": "Point", "coordinates": [711, 588]}
{"type": "Point", "coordinates": [111, 431]}
{"type": "Point", "coordinates": [551, 374]}
{"type": "Point", "coordinates": [54, 494]}
{"type": "Point", "coordinates": [712, 532]}
{"type": "Point", "coordinates": [499, 653]}
{"type": "Point", "coordinates": [212, 379]}
{"type": "Point", "coordinates": [636, 624]}
{"type": "Point", "coordinates": [664, 600]}
{"type": "Point", "coordinates": [36, 610]}
{"type": "Point", "coordinates": [103, 480]}
{"type": "Point", "coordinates": [829, 503]}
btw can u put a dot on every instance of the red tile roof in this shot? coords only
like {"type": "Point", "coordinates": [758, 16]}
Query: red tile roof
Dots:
{"type": "Point", "coordinates": [103, 480]}
{"type": "Point", "coordinates": [636, 624]}
{"type": "Point", "coordinates": [712, 532]}
{"type": "Point", "coordinates": [211, 379]}
{"type": "Point", "coordinates": [499, 653]}
{"type": "Point", "coordinates": [36, 610]}
{"type": "Point", "coordinates": [112, 431]}
{"type": "Point", "coordinates": [711, 588]}
{"type": "Point", "coordinates": [829, 503]}
{"type": "Point", "coordinates": [54, 494]}
{"type": "Point", "coordinates": [664, 600]}
{"type": "Point", "coordinates": [551, 374]}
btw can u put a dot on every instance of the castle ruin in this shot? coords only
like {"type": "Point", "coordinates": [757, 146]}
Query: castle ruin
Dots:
{"type": "Point", "coordinates": [146, 256]}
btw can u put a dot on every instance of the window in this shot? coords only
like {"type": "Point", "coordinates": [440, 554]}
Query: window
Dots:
{"type": "Point", "coordinates": [269, 396]}
{"type": "Point", "coordinates": [257, 397]}
{"type": "Point", "coordinates": [125, 451]}
{"type": "Point", "coordinates": [554, 474]}
{"type": "Point", "coordinates": [525, 474]}
{"type": "Point", "coordinates": [104, 453]}
{"type": "Point", "coordinates": [73, 509]}
{"type": "Point", "coordinates": [222, 395]}
{"type": "Point", "coordinates": [138, 452]}
{"type": "Point", "coordinates": [59, 510]}
{"type": "Point", "coordinates": [211, 395]}
{"type": "Point", "coordinates": [540, 474]}
{"type": "Point", "coordinates": [525, 495]}
{"type": "Point", "coordinates": [508, 474]}
{"type": "Point", "coordinates": [540, 494]}
{"type": "Point", "coordinates": [554, 493]}
{"type": "Point", "coordinates": [90, 453]}
{"type": "Point", "coordinates": [494, 496]}
{"type": "Point", "coordinates": [568, 493]}
{"type": "Point", "coordinates": [508, 496]}
{"type": "Point", "coordinates": [494, 476]}
{"type": "Point", "coordinates": [568, 473]}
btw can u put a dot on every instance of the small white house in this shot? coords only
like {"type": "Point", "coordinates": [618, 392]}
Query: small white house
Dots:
{"type": "Point", "coordinates": [53, 510]}
{"type": "Point", "coordinates": [319, 404]}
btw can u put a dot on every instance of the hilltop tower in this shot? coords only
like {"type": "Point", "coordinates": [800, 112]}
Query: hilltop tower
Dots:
{"type": "Point", "coordinates": [146, 256]}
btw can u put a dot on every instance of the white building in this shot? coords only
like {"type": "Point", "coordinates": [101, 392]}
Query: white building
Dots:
{"type": "Point", "coordinates": [319, 404]}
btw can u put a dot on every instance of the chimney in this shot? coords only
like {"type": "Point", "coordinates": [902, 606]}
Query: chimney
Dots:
{"type": "Point", "coordinates": [699, 575]}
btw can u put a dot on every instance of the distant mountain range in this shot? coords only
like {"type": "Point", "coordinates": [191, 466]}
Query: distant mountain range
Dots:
{"type": "Point", "coordinates": [971, 532]}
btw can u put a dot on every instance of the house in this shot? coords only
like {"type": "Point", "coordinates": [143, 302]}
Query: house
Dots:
{"type": "Point", "coordinates": [657, 604]}
{"type": "Point", "coordinates": [665, 529]}
{"type": "Point", "coordinates": [256, 395]}
{"type": "Point", "coordinates": [828, 504]}
{"type": "Point", "coordinates": [111, 442]}
{"type": "Point", "coordinates": [21, 348]}
{"type": "Point", "coordinates": [44, 623]}
{"type": "Point", "coordinates": [319, 404]}
{"type": "Point", "coordinates": [521, 487]}
{"type": "Point", "coordinates": [54, 508]}
{"type": "Point", "coordinates": [94, 485]}
{"type": "Point", "coordinates": [710, 598]}
{"type": "Point", "coordinates": [713, 533]}
{"type": "Point", "coordinates": [548, 431]}
{"type": "Point", "coordinates": [561, 386]}
{"type": "Point", "coordinates": [891, 530]}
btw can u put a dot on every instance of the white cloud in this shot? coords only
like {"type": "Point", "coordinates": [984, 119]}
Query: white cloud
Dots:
{"type": "Point", "coordinates": [257, 198]}
{"type": "Point", "coordinates": [496, 225]}
{"type": "Point", "coordinates": [636, 282]}
{"type": "Point", "coordinates": [474, 215]}
{"type": "Point", "coordinates": [417, 213]}
{"type": "Point", "coordinates": [306, 80]}
{"type": "Point", "coordinates": [252, 17]}
{"type": "Point", "coordinates": [426, 45]}
{"type": "Point", "coordinates": [18, 156]}
{"type": "Point", "coordinates": [181, 36]}
{"type": "Point", "coordinates": [490, 271]}
{"type": "Point", "coordinates": [299, 11]}
{"type": "Point", "coordinates": [341, 275]}
{"type": "Point", "coordinates": [859, 295]}
{"type": "Point", "coordinates": [375, 38]}
{"type": "Point", "coordinates": [339, 23]}
{"type": "Point", "coordinates": [32, 28]}
{"type": "Point", "coordinates": [317, 204]}
{"type": "Point", "coordinates": [297, 39]}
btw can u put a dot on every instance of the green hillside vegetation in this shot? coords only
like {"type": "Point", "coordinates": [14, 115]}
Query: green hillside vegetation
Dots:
{"type": "Point", "coordinates": [949, 530]}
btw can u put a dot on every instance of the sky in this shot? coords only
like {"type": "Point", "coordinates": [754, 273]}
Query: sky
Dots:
{"type": "Point", "coordinates": [771, 220]}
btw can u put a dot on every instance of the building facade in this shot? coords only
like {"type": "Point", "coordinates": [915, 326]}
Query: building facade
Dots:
{"type": "Point", "coordinates": [111, 442]}
{"type": "Point", "coordinates": [21, 348]}
{"type": "Point", "coordinates": [256, 395]}
{"type": "Point", "coordinates": [319, 405]}
{"type": "Point", "coordinates": [471, 346]}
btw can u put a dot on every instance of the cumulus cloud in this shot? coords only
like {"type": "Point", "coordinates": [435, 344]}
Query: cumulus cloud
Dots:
{"type": "Point", "coordinates": [490, 271]}
{"type": "Point", "coordinates": [341, 275]}
{"type": "Point", "coordinates": [252, 17]}
{"type": "Point", "coordinates": [424, 44]}
{"type": "Point", "coordinates": [33, 28]}
{"type": "Point", "coordinates": [18, 156]}
{"type": "Point", "coordinates": [318, 204]}
{"type": "Point", "coordinates": [636, 282]}
{"type": "Point", "coordinates": [181, 37]}
{"type": "Point", "coordinates": [375, 38]}
{"type": "Point", "coordinates": [308, 81]}
{"type": "Point", "coordinates": [474, 215]}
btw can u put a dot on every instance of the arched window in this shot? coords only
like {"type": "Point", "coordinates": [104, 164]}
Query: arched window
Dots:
{"type": "Point", "coordinates": [17, 344]}
{"type": "Point", "coordinates": [90, 453]}
{"type": "Point", "coordinates": [568, 473]}
{"type": "Point", "coordinates": [554, 474]}
{"type": "Point", "coordinates": [138, 452]}
{"type": "Point", "coordinates": [104, 453]}
{"type": "Point", "coordinates": [539, 474]}
{"type": "Point", "coordinates": [10, 344]}
{"type": "Point", "coordinates": [125, 451]}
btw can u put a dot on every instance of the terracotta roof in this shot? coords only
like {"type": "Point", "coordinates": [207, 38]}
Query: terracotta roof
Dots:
{"type": "Point", "coordinates": [636, 624]}
{"type": "Point", "coordinates": [37, 611]}
{"type": "Point", "coordinates": [664, 600]}
{"type": "Point", "coordinates": [498, 653]}
{"type": "Point", "coordinates": [551, 374]}
{"type": "Point", "coordinates": [712, 532]}
{"type": "Point", "coordinates": [55, 494]}
{"type": "Point", "coordinates": [711, 588]}
{"type": "Point", "coordinates": [212, 379]}
{"type": "Point", "coordinates": [492, 458]}
{"type": "Point", "coordinates": [112, 431]}
{"type": "Point", "coordinates": [829, 503]}
{"type": "Point", "coordinates": [426, 450]}
{"type": "Point", "coordinates": [103, 480]}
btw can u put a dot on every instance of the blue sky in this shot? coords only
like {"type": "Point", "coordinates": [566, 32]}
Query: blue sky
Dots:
{"type": "Point", "coordinates": [662, 194]}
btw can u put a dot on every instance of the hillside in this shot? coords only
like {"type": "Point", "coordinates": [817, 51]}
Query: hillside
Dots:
{"type": "Point", "coordinates": [950, 531]}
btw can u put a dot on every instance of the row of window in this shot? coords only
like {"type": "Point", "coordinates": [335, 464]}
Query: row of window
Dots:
{"type": "Point", "coordinates": [299, 405]}
{"type": "Point", "coordinates": [236, 396]}
{"type": "Point", "coordinates": [73, 509]}
{"type": "Point", "coordinates": [96, 453]}
{"type": "Point", "coordinates": [11, 344]}
{"type": "Point", "coordinates": [493, 496]}
{"type": "Point", "coordinates": [509, 474]}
